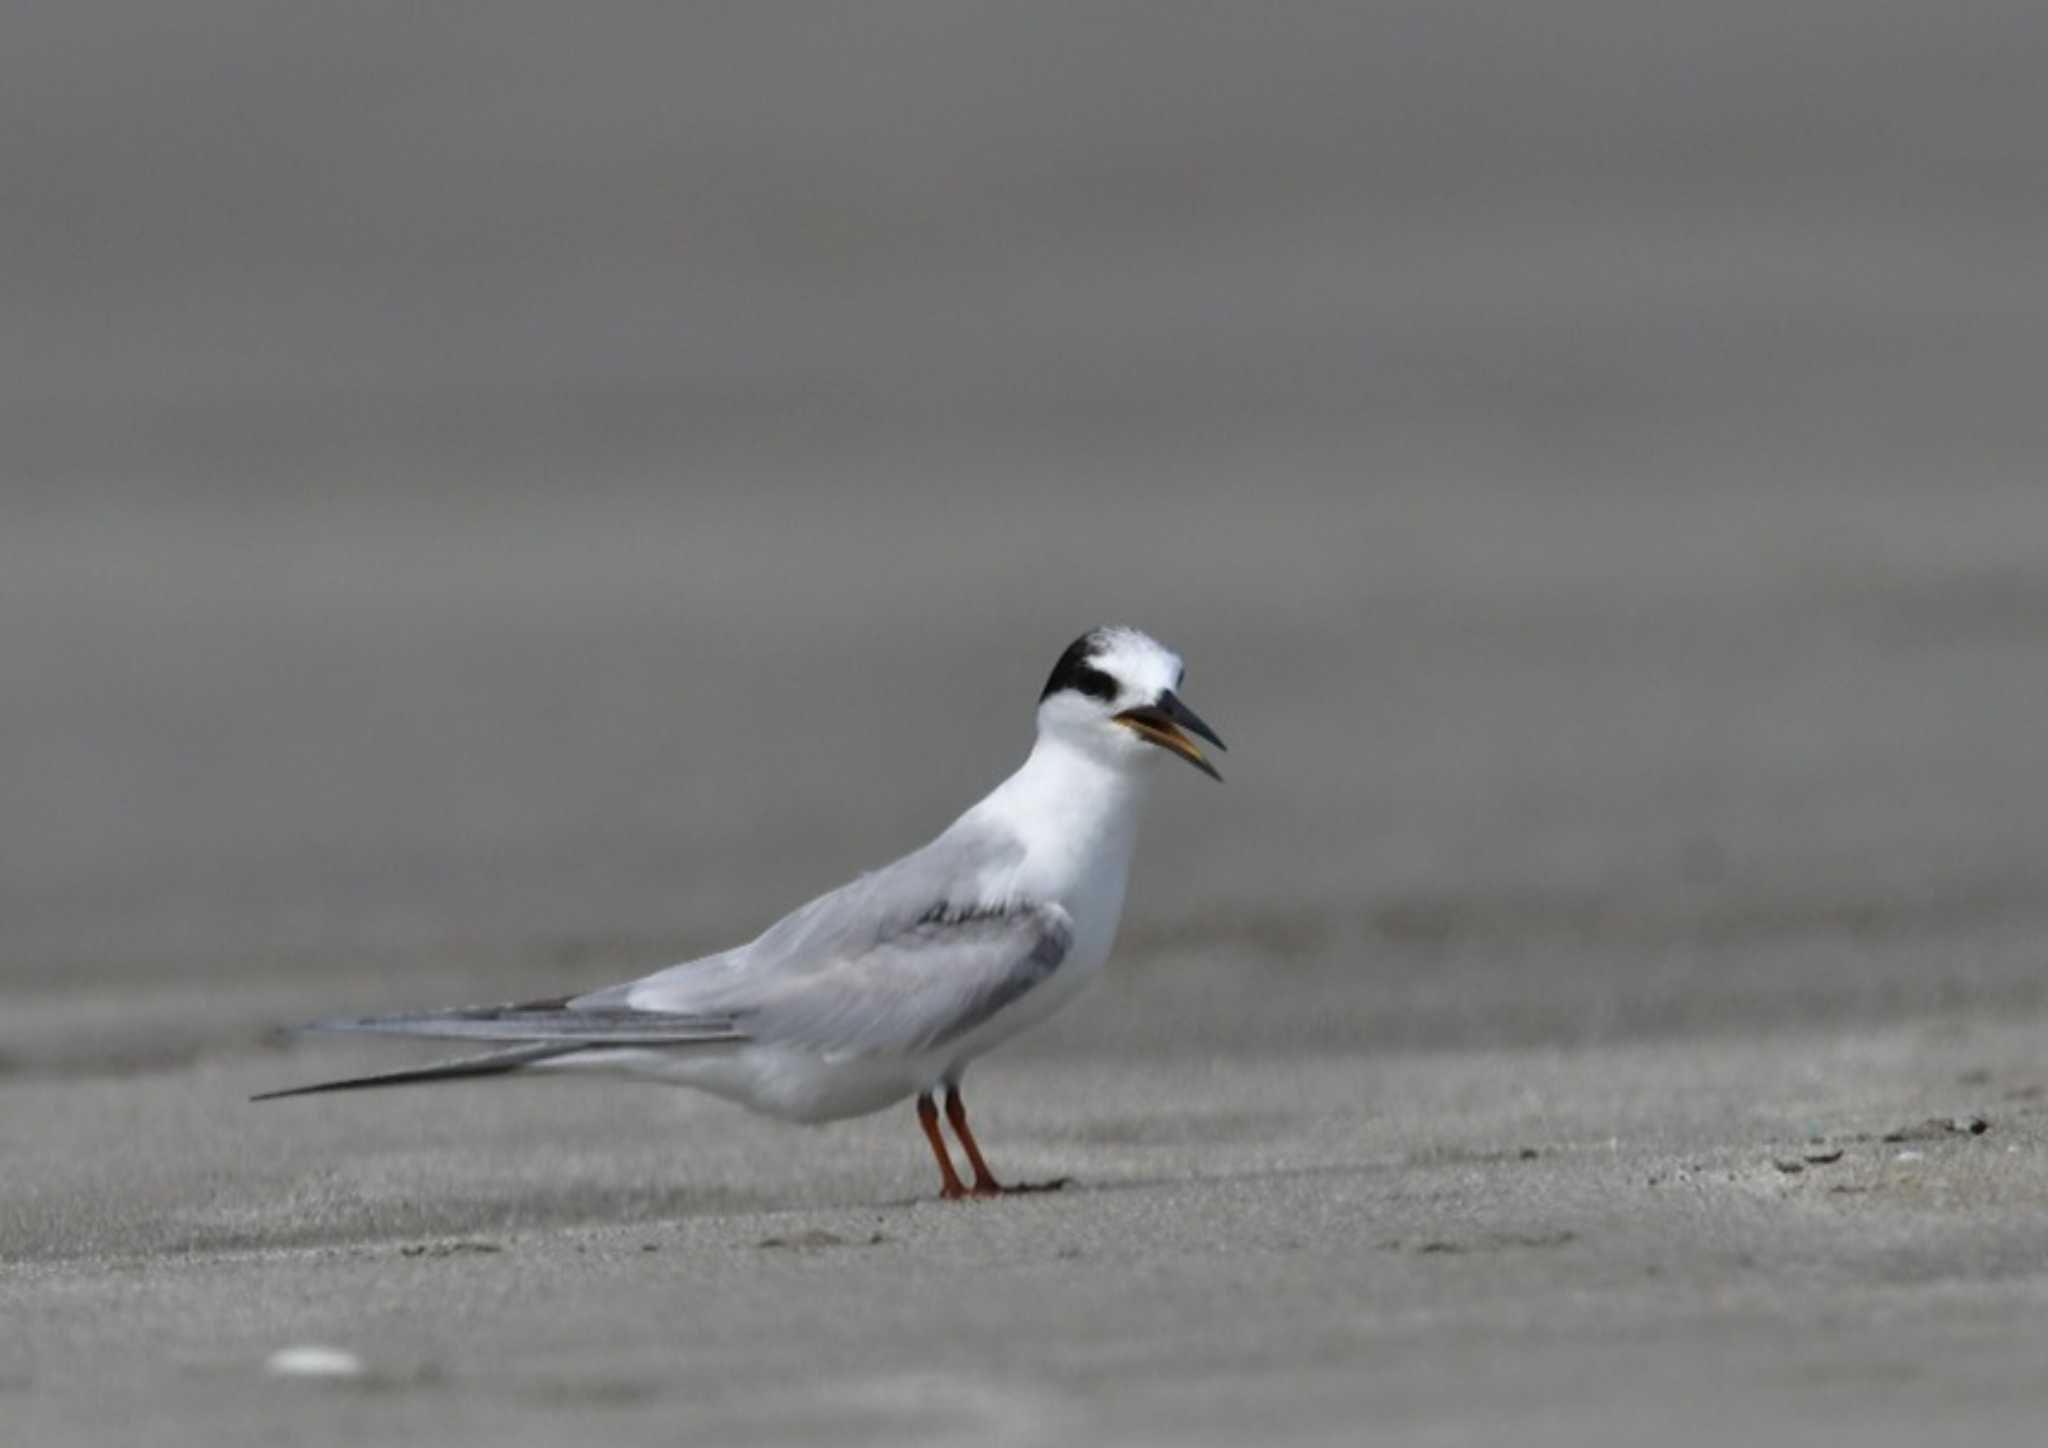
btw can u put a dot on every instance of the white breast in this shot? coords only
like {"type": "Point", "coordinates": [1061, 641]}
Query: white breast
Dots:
{"type": "Point", "coordinates": [1079, 829]}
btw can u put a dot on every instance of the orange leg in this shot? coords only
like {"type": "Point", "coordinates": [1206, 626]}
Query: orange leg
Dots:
{"type": "Point", "coordinates": [985, 1183]}
{"type": "Point", "coordinates": [928, 1117]}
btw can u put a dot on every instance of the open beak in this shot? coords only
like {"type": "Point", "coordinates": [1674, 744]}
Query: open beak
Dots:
{"type": "Point", "coordinates": [1168, 724]}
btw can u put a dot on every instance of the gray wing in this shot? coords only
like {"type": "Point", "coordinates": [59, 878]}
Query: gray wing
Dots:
{"type": "Point", "coordinates": [919, 988]}
{"type": "Point", "coordinates": [897, 962]}
{"type": "Point", "coordinates": [555, 1021]}
{"type": "Point", "coordinates": [902, 960]}
{"type": "Point", "coordinates": [531, 1032]}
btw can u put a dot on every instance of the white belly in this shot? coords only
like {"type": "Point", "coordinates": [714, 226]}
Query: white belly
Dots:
{"type": "Point", "coordinates": [778, 1081]}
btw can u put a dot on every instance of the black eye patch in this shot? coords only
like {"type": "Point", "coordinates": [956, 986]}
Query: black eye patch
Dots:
{"type": "Point", "coordinates": [1074, 671]}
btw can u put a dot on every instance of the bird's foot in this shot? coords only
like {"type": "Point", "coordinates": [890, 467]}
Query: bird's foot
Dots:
{"type": "Point", "coordinates": [994, 1188]}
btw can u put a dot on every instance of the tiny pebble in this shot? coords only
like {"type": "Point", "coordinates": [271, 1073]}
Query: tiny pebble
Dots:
{"type": "Point", "coordinates": [310, 1360]}
{"type": "Point", "coordinates": [1908, 1156]}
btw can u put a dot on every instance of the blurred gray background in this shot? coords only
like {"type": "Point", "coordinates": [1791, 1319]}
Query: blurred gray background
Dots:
{"type": "Point", "coordinates": [497, 498]}
{"type": "Point", "coordinates": [530, 488]}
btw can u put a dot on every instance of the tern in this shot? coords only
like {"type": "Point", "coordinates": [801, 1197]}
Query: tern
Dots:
{"type": "Point", "coordinates": [888, 987]}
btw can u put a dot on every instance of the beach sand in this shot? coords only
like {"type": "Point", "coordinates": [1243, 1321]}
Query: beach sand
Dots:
{"type": "Point", "coordinates": [1701, 1238]}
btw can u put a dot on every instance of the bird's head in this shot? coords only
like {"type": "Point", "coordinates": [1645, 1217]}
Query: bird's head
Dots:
{"type": "Point", "coordinates": [1112, 694]}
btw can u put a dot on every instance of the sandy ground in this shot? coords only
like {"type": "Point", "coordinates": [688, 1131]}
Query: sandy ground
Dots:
{"type": "Point", "coordinates": [1703, 1239]}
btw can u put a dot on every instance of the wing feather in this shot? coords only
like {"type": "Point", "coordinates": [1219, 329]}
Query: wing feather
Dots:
{"type": "Point", "coordinates": [554, 1022]}
{"type": "Point", "coordinates": [903, 959]}
{"type": "Point", "coordinates": [900, 961]}
{"type": "Point", "coordinates": [916, 990]}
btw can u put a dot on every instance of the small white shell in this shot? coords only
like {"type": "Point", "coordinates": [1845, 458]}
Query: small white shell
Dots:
{"type": "Point", "coordinates": [310, 1360]}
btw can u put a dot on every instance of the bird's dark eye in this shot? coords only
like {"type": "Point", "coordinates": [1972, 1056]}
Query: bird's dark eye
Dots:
{"type": "Point", "coordinates": [1096, 684]}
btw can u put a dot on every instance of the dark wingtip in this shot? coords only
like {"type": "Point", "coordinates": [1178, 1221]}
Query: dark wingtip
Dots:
{"type": "Point", "coordinates": [495, 1064]}
{"type": "Point", "coordinates": [312, 1090]}
{"type": "Point", "coordinates": [288, 1091]}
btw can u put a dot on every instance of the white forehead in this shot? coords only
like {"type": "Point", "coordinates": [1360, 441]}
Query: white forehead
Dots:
{"type": "Point", "coordinates": [1137, 661]}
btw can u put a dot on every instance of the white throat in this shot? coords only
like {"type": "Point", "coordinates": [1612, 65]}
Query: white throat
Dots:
{"type": "Point", "coordinates": [1076, 814]}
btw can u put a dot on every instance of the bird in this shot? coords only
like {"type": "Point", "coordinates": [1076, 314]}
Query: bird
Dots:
{"type": "Point", "coordinates": [889, 986]}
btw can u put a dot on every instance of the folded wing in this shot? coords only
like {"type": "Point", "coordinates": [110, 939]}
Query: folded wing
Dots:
{"type": "Point", "coordinates": [528, 1033]}
{"type": "Point", "coordinates": [901, 960]}
{"type": "Point", "coordinates": [554, 1022]}
{"type": "Point", "coordinates": [914, 990]}
{"type": "Point", "coordinates": [898, 962]}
